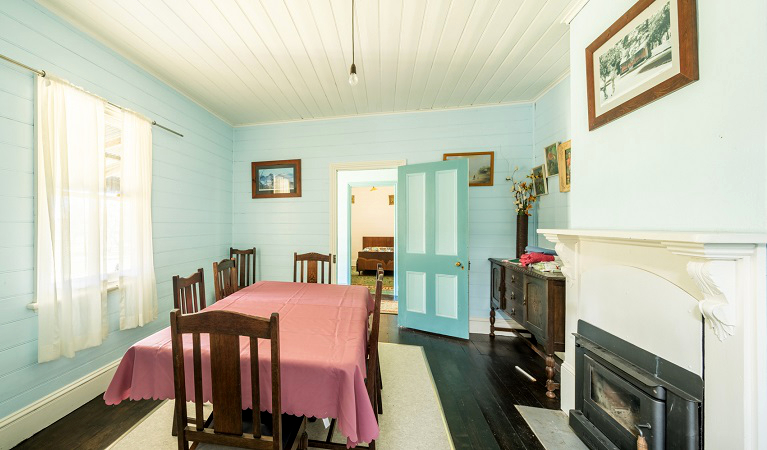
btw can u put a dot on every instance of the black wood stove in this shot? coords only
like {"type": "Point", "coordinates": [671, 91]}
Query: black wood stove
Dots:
{"type": "Point", "coordinates": [623, 392]}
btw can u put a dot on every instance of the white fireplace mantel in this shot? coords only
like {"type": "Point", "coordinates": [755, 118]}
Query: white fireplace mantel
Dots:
{"type": "Point", "coordinates": [724, 272]}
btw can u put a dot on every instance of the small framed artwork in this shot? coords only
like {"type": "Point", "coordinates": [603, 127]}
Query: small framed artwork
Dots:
{"type": "Point", "coordinates": [539, 180]}
{"type": "Point", "coordinates": [550, 156]}
{"type": "Point", "coordinates": [481, 166]}
{"type": "Point", "coordinates": [563, 154]}
{"type": "Point", "coordinates": [276, 179]}
{"type": "Point", "coordinates": [391, 200]}
{"type": "Point", "coordinates": [649, 52]}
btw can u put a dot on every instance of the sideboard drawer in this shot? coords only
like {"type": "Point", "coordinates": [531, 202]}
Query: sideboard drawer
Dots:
{"type": "Point", "coordinates": [514, 304]}
{"type": "Point", "coordinates": [514, 279]}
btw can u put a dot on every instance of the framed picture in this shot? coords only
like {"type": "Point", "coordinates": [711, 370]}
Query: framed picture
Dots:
{"type": "Point", "coordinates": [276, 179]}
{"type": "Point", "coordinates": [563, 152]}
{"type": "Point", "coordinates": [481, 166]}
{"type": "Point", "coordinates": [550, 156]}
{"type": "Point", "coordinates": [649, 52]}
{"type": "Point", "coordinates": [540, 187]}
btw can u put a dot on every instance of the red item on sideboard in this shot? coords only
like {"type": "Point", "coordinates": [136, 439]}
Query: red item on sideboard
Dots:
{"type": "Point", "coordinates": [530, 258]}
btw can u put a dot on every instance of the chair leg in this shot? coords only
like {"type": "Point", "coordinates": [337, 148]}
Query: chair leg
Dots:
{"type": "Point", "coordinates": [379, 399]}
{"type": "Point", "coordinates": [330, 431]}
{"type": "Point", "coordinates": [304, 441]}
{"type": "Point", "coordinates": [378, 365]}
{"type": "Point", "coordinates": [174, 431]}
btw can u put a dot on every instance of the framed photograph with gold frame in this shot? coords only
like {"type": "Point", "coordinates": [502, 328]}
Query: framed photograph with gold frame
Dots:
{"type": "Point", "coordinates": [563, 158]}
{"type": "Point", "coordinates": [649, 52]}
{"type": "Point", "coordinates": [481, 166]}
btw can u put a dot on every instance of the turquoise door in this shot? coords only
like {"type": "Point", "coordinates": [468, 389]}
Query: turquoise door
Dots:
{"type": "Point", "coordinates": [433, 248]}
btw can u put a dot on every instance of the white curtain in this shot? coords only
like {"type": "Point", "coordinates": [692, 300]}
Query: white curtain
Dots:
{"type": "Point", "coordinates": [71, 283]}
{"type": "Point", "coordinates": [138, 290]}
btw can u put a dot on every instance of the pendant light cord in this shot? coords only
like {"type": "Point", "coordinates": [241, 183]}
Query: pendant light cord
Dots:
{"type": "Point", "coordinates": [352, 31]}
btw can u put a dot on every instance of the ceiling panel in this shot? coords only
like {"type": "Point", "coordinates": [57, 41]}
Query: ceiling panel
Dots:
{"type": "Point", "coordinates": [258, 61]}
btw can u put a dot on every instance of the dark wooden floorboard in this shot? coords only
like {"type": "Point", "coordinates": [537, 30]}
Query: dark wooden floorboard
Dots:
{"type": "Point", "coordinates": [93, 426]}
{"type": "Point", "coordinates": [476, 380]}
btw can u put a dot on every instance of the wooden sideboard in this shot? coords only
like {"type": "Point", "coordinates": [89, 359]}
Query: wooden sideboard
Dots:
{"type": "Point", "coordinates": [536, 301]}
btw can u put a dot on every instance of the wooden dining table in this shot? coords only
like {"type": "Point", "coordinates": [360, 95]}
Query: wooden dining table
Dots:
{"type": "Point", "coordinates": [323, 342]}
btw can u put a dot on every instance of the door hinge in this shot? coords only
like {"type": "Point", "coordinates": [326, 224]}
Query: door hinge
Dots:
{"type": "Point", "coordinates": [469, 267]}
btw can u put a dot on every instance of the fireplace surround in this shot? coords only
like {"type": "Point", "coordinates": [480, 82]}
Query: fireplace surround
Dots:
{"type": "Point", "coordinates": [623, 391]}
{"type": "Point", "coordinates": [697, 300]}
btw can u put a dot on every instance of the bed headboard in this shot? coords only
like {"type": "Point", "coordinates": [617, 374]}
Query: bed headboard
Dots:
{"type": "Point", "coordinates": [377, 241]}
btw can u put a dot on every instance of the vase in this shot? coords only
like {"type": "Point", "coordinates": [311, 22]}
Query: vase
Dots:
{"type": "Point", "coordinates": [521, 234]}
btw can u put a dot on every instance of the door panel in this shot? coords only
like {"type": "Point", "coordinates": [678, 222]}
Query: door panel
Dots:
{"type": "Point", "coordinates": [415, 292]}
{"type": "Point", "coordinates": [433, 251]}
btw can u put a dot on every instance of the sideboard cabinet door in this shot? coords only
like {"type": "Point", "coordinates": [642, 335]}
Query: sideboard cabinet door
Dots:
{"type": "Point", "coordinates": [499, 300]}
{"type": "Point", "coordinates": [535, 306]}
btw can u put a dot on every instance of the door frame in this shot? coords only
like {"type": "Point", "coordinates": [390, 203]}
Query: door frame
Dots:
{"type": "Point", "coordinates": [355, 184]}
{"type": "Point", "coordinates": [343, 166]}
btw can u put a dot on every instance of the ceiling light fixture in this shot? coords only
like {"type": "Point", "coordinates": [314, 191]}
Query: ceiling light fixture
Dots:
{"type": "Point", "coordinates": [353, 79]}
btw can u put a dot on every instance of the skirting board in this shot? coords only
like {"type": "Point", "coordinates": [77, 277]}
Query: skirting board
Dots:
{"type": "Point", "coordinates": [27, 421]}
{"type": "Point", "coordinates": [567, 390]}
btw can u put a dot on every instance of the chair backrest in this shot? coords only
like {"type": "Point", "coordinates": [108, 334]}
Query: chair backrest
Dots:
{"type": "Point", "coordinates": [225, 278]}
{"type": "Point", "coordinates": [189, 293]}
{"type": "Point", "coordinates": [224, 329]}
{"type": "Point", "coordinates": [246, 265]}
{"type": "Point", "coordinates": [373, 338]}
{"type": "Point", "coordinates": [310, 261]}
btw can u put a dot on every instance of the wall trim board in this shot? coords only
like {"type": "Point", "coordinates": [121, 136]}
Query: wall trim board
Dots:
{"type": "Point", "coordinates": [395, 113]}
{"type": "Point", "coordinates": [27, 421]}
{"type": "Point", "coordinates": [338, 167]}
{"type": "Point", "coordinates": [571, 13]}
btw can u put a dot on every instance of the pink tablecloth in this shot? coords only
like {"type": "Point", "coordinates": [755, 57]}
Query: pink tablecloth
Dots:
{"type": "Point", "coordinates": [323, 336]}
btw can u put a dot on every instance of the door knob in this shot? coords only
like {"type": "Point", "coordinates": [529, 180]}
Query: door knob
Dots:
{"type": "Point", "coordinates": [459, 264]}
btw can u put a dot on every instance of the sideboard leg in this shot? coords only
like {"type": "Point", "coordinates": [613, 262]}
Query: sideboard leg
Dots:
{"type": "Point", "coordinates": [551, 385]}
{"type": "Point", "coordinates": [492, 321]}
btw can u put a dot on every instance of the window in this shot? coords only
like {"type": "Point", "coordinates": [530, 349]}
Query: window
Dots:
{"type": "Point", "coordinates": [113, 165]}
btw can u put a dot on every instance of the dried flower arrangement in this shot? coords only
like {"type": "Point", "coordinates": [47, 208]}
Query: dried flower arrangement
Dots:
{"type": "Point", "coordinates": [523, 194]}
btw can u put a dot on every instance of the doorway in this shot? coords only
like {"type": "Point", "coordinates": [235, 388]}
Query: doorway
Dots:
{"type": "Point", "coordinates": [343, 177]}
{"type": "Point", "coordinates": [372, 234]}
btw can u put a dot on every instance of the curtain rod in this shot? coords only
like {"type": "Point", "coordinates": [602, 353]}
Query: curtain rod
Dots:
{"type": "Point", "coordinates": [42, 74]}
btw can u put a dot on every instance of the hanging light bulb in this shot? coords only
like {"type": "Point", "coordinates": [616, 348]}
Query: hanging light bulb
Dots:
{"type": "Point", "coordinates": [353, 78]}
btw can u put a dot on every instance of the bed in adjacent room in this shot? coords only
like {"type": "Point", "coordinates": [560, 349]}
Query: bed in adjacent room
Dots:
{"type": "Point", "coordinates": [375, 250]}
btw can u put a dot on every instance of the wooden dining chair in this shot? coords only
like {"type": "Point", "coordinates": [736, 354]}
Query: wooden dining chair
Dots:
{"type": "Point", "coordinates": [189, 293]}
{"type": "Point", "coordinates": [226, 426]}
{"type": "Point", "coordinates": [373, 358]}
{"type": "Point", "coordinates": [310, 261]}
{"type": "Point", "coordinates": [246, 266]}
{"type": "Point", "coordinates": [225, 278]}
{"type": "Point", "coordinates": [373, 374]}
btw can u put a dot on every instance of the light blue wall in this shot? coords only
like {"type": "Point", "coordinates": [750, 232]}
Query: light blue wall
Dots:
{"type": "Point", "coordinates": [694, 160]}
{"type": "Point", "coordinates": [192, 198]}
{"type": "Point", "coordinates": [278, 227]}
{"type": "Point", "coordinates": [552, 124]}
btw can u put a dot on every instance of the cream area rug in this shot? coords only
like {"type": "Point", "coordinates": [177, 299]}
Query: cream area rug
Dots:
{"type": "Point", "coordinates": [413, 418]}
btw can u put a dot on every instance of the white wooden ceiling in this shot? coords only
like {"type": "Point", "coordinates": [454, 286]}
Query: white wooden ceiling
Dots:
{"type": "Point", "coordinates": [256, 61]}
